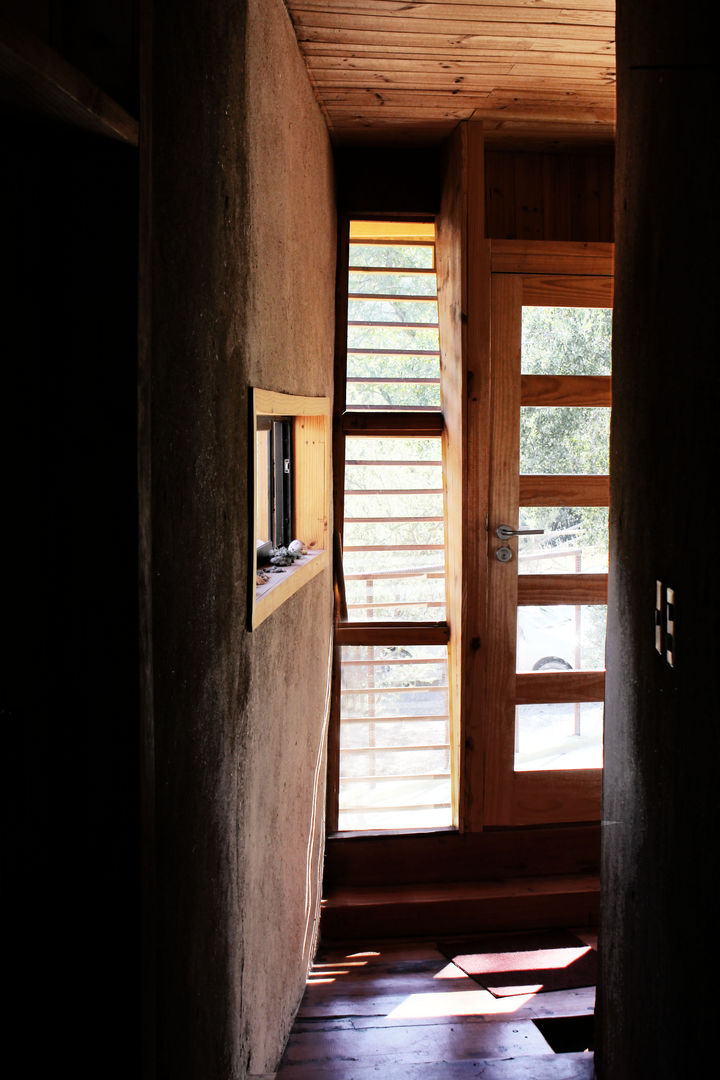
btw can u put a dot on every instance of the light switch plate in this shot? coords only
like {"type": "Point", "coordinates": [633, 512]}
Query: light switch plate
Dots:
{"type": "Point", "coordinates": [670, 626]}
{"type": "Point", "coordinates": [658, 617]}
{"type": "Point", "coordinates": [665, 622]}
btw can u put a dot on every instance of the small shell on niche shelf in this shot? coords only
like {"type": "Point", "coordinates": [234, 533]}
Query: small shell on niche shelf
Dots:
{"type": "Point", "coordinates": [296, 547]}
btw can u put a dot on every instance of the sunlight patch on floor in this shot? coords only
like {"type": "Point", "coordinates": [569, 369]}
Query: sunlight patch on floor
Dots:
{"type": "Point", "coordinates": [456, 1003]}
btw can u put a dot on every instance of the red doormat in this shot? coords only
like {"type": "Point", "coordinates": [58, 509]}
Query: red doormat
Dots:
{"type": "Point", "coordinates": [524, 963]}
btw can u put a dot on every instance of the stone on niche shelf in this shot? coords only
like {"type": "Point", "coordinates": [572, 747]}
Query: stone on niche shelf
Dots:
{"type": "Point", "coordinates": [280, 556]}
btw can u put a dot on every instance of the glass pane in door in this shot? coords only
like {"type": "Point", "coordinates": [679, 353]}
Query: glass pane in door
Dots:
{"type": "Point", "coordinates": [574, 541]}
{"type": "Point", "coordinates": [559, 736]}
{"type": "Point", "coordinates": [567, 440]}
{"type": "Point", "coordinates": [566, 341]}
{"type": "Point", "coordinates": [561, 637]}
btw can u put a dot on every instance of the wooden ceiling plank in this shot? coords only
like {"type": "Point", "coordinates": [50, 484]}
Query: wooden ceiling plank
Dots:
{"type": "Point", "coordinates": [541, 100]}
{"type": "Point", "coordinates": [404, 114]}
{"type": "Point", "coordinates": [325, 20]}
{"type": "Point", "coordinates": [343, 52]}
{"type": "Point", "coordinates": [477, 42]}
{"type": "Point", "coordinates": [454, 12]}
{"type": "Point", "coordinates": [538, 89]}
{"type": "Point", "coordinates": [429, 75]}
{"type": "Point", "coordinates": [429, 5]}
{"type": "Point", "coordinates": [503, 100]}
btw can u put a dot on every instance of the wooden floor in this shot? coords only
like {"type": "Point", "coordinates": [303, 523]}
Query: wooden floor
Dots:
{"type": "Point", "coordinates": [401, 1010]}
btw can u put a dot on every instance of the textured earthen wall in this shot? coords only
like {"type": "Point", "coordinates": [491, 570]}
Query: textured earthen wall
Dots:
{"type": "Point", "coordinates": [659, 807]}
{"type": "Point", "coordinates": [242, 294]}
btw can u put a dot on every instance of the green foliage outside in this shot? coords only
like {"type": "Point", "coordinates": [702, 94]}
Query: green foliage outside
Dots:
{"type": "Point", "coordinates": [400, 337]}
{"type": "Point", "coordinates": [566, 341]}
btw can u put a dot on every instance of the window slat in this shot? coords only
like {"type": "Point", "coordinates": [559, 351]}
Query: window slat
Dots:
{"type": "Point", "coordinates": [403, 776]}
{"type": "Point", "coordinates": [354, 750]}
{"type": "Point", "coordinates": [371, 379]}
{"type": "Point", "coordinates": [398, 809]}
{"type": "Point", "coordinates": [393, 719]}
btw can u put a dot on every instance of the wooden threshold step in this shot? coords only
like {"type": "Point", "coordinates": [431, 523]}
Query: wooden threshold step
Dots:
{"type": "Point", "coordinates": [351, 912]}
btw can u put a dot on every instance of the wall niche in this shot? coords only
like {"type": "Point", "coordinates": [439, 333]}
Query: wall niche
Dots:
{"type": "Point", "coordinates": [290, 497]}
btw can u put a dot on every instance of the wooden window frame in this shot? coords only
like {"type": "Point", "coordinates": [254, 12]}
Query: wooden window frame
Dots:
{"type": "Point", "coordinates": [420, 423]}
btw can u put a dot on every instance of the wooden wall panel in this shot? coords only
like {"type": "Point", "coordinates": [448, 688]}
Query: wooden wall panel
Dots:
{"type": "Point", "coordinates": [549, 196]}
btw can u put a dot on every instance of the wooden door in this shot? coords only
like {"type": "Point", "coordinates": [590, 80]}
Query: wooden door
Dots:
{"type": "Point", "coordinates": [548, 453]}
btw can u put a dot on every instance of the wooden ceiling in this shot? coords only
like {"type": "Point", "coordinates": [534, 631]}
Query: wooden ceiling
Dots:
{"type": "Point", "coordinates": [388, 71]}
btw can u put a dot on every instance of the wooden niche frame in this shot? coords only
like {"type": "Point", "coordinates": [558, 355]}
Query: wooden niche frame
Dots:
{"type": "Point", "coordinates": [311, 490]}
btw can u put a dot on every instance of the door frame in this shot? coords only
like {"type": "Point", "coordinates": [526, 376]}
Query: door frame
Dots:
{"type": "Point", "coordinates": [522, 271]}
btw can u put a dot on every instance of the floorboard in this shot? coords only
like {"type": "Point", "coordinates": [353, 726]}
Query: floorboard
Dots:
{"type": "Point", "coordinates": [401, 1010]}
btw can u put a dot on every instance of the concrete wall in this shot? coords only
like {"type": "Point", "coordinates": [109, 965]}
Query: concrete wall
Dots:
{"type": "Point", "coordinates": [661, 747]}
{"type": "Point", "coordinates": [242, 227]}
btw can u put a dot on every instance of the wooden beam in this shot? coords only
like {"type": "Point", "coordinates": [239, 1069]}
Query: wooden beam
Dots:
{"type": "Point", "coordinates": [542, 589]}
{"type": "Point", "coordinates": [593, 390]}
{"type": "Point", "coordinates": [539, 687]}
{"type": "Point", "coordinates": [564, 490]}
{"type": "Point", "coordinates": [36, 77]}
{"type": "Point", "coordinates": [584, 290]}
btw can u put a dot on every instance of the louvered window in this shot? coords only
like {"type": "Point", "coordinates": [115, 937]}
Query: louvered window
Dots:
{"type": "Point", "coordinates": [394, 731]}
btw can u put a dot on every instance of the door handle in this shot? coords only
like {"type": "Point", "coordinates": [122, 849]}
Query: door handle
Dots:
{"type": "Point", "coordinates": [505, 532]}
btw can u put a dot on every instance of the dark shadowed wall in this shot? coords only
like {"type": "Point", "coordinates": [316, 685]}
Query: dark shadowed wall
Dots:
{"type": "Point", "coordinates": [241, 226]}
{"type": "Point", "coordinates": [659, 863]}
{"type": "Point", "coordinates": [68, 679]}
